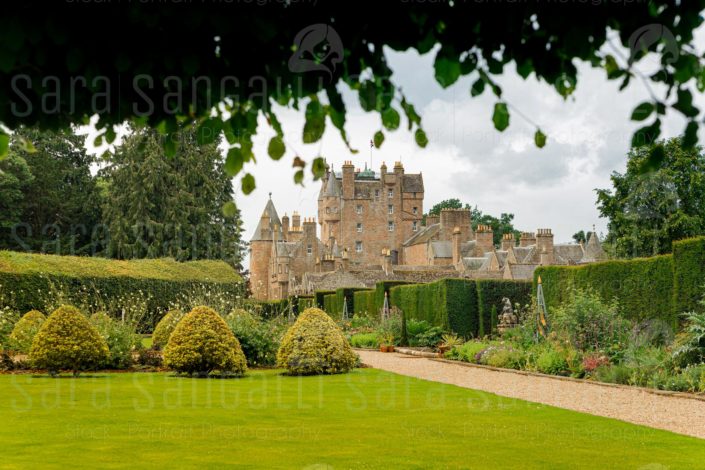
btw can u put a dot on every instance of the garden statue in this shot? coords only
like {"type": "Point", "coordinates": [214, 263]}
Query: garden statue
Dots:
{"type": "Point", "coordinates": [507, 319]}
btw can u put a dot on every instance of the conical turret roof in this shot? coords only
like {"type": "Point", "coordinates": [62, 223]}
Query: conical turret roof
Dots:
{"type": "Point", "coordinates": [274, 222]}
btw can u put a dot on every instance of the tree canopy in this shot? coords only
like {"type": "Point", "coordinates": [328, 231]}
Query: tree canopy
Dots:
{"type": "Point", "coordinates": [169, 66]}
{"type": "Point", "coordinates": [500, 226]}
{"type": "Point", "coordinates": [649, 210]}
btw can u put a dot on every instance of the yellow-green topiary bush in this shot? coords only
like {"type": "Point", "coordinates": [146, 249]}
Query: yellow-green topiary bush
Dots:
{"type": "Point", "coordinates": [202, 343]}
{"type": "Point", "coordinates": [68, 341]}
{"type": "Point", "coordinates": [25, 330]}
{"type": "Point", "coordinates": [315, 345]}
{"type": "Point", "coordinates": [165, 327]}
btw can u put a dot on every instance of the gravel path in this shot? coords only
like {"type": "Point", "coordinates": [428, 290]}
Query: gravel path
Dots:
{"type": "Point", "coordinates": [672, 413]}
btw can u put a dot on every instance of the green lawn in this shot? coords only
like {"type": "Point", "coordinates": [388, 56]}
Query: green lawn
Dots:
{"type": "Point", "coordinates": [366, 419]}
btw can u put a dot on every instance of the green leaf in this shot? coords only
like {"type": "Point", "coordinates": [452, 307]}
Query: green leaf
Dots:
{"type": "Point", "coordinates": [378, 139]}
{"type": "Point", "coordinates": [229, 209]}
{"type": "Point", "coordinates": [234, 161]}
{"type": "Point", "coordinates": [477, 88]}
{"type": "Point", "coordinates": [647, 135]}
{"type": "Point", "coordinates": [26, 145]}
{"type": "Point", "coordinates": [612, 68]}
{"type": "Point", "coordinates": [276, 148]}
{"type": "Point", "coordinates": [318, 168]}
{"type": "Point", "coordinates": [299, 177]}
{"type": "Point", "coordinates": [209, 130]}
{"type": "Point", "coordinates": [315, 122]}
{"type": "Point", "coordinates": [500, 117]}
{"type": "Point", "coordinates": [248, 183]}
{"type": "Point", "coordinates": [110, 134]}
{"type": "Point", "coordinates": [4, 146]}
{"type": "Point", "coordinates": [447, 68]}
{"type": "Point", "coordinates": [391, 119]}
{"type": "Point", "coordinates": [540, 139]}
{"type": "Point", "coordinates": [643, 111]}
{"type": "Point", "coordinates": [420, 137]}
{"type": "Point", "coordinates": [653, 161]}
{"type": "Point", "coordinates": [685, 104]}
{"type": "Point", "coordinates": [690, 136]}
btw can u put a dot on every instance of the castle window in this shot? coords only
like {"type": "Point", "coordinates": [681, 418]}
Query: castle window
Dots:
{"type": "Point", "coordinates": [359, 227]}
{"type": "Point", "coordinates": [390, 193]}
{"type": "Point", "coordinates": [358, 247]}
{"type": "Point", "coordinates": [376, 194]}
{"type": "Point", "coordinates": [390, 226]}
{"type": "Point", "coordinates": [390, 209]}
{"type": "Point", "coordinates": [327, 210]}
{"type": "Point", "coordinates": [309, 250]}
{"type": "Point", "coordinates": [414, 226]}
{"type": "Point", "coordinates": [415, 210]}
{"type": "Point", "coordinates": [358, 209]}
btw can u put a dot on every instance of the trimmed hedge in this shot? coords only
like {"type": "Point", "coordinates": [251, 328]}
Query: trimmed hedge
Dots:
{"type": "Point", "coordinates": [688, 274]}
{"type": "Point", "coordinates": [643, 286]}
{"type": "Point", "coordinates": [32, 281]}
{"type": "Point", "coordinates": [364, 302]}
{"type": "Point", "coordinates": [319, 295]}
{"type": "Point", "coordinates": [490, 293]}
{"type": "Point", "coordinates": [302, 303]}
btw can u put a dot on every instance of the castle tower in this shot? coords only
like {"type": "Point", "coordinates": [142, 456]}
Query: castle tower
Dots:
{"type": "Point", "coordinates": [261, 251]}
{"type": "Point", "coordinates": [329, 206]}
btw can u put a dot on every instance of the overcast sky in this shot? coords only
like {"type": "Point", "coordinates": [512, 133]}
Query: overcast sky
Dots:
{"type": "Point", "coordinates": [588, 137]}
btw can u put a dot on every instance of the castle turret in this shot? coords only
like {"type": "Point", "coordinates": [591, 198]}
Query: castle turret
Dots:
{"type": "Point", "coordinates": [261, 251]}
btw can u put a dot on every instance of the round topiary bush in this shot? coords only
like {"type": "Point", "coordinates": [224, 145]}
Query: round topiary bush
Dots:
{"type": "Point", "coordinates": [20, 339]}
{"type": "Point", "coordinates": [165, 327]}
{"type": "Point", "coordinates": [315, 345]}
{"type": "Point", "coordinates": [68, 341]}
{"type": "Point", "coordinates": [202, 343]}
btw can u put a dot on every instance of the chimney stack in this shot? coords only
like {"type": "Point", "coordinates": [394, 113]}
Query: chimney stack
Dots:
{"type": "Point", "coordinates": [507, 241]}
{"type": "Point", "coordinates": [544, 243]}
{"type": "Point", "coordinates": [456, 245]}
{"type": "Point", "coordinates": [527, 239]}
{"type": "Point", "coordinates": [483, 239]}
{"type": "Point", "coordinates": [285, 227]}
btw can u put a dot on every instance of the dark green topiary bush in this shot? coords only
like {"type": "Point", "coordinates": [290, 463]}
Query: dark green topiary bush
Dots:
{"type": "Point", "coordinates": [258, 338]}
{"type": "Point", "coordinates": [68, 341]}
{"type": "Point", "coordinates": [25, 330]}
{"type": "Point", "coordinates": [202, 343]}
{"type": "Point", "coordinates": [165, 328]}
{"type": "Point", "coordinates": [315, 345]}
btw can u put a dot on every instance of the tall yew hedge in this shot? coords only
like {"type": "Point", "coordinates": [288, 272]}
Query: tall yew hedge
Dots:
{"type": "Point", "coordinates": [643, 286]}
{"type": "Point", "coordinates": [490, 292]}
{"type": "Point", "coordinates": [688, 274]}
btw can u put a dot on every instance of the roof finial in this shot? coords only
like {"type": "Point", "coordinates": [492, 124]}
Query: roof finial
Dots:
{"type": "Point", "coordinates": [270, 195]}
{"type": "Point", "coordinates": [593, 228]}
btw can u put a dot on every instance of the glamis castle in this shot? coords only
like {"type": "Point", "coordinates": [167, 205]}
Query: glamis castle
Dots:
{"type": "Point", "coordinates": [371, 229]}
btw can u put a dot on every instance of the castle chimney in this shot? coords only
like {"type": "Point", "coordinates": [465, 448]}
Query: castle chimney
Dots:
{"type": "Point", "coordinates": [483, 239]}
{"type": "Point", "coordinates": [398, 170]}
{"type": "Point", "coordinates": [456, 245]}
{"type": "Point", "coordinates": [295, 220]}
{"type": "Point", "coordinates": [544, 243]}
{"type": "Point", "coordinates": [348, 180]}
{"type": "Point", "coordinates": [527, 239]}
{"type": "Point", "coordinates": [507, 241]}
{"type": "Point", "coordinates": [285, 227]}
{"type": "Point", "coordinates": [382, 172]}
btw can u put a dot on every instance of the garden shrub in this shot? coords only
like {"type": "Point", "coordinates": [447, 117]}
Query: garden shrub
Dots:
{"type": "Point", "coordinates": [551, 361]}
{"type": "Point", "coordinates": [503, 356]}
{"type": "Point", "coordinates": [616, 374]}
{"type": "Point", "coordinates": [430, 338]}
{"type": "Point", "coordinates": [8, 318]}
{"type": "Point", "coordinates": [259, 339]}
{"type": "Point", "coordinates": [315, 345]}
{"type": "Point", "coordinates": [25, 330]}
{"type": "Point", "coordinates": [590, 323]}
{"type": "Point", "coordinates": [364, 340]}
{"type": "Point", "coordinates": [690, 343]}
{"type": "Point", "coordinates": [202, 343]}
{"type": "Point", "coordinates": [471, 351]}
{"type": "Point", "coordinates": [120, 337]}
{"type": "Point", "coordinates": [364, 303]}
{"type": "Point", "coordinates": [148, 287]}
{"type": "Point", "coordinates": [68, 341]}
{"type": "Point", "coordinates": [165, 327]}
